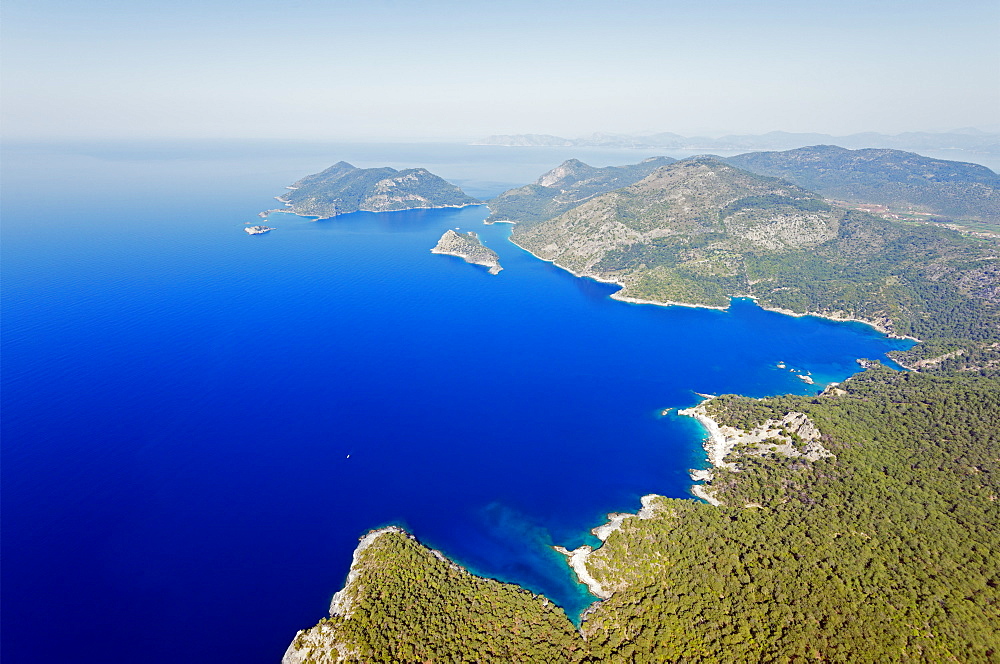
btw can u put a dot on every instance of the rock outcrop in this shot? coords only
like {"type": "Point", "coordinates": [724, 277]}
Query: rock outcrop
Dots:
{"type": "Point", "coordinates": [468, 247]}
{"type": "Point", "coordinates": [794, 435]}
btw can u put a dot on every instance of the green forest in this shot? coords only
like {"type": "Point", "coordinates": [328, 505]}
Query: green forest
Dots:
{"type": "Point", "coordinates": [885, 553]}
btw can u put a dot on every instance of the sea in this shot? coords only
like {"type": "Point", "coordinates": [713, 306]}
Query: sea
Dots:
{"type": "Point", "coordinates": [198, 424]}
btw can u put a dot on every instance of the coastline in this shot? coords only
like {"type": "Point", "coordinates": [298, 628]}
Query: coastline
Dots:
{"type": "Point", "coordinates": [492, 268]}
{"type": "Point", "coordinates": [614, 296]}
{"type": "Point", "coordinates": [577, 558]}
{"type": "Point", "coordinates": [835, 316]}
{"type": "Point", "coordinates": [341, 603]}
{"type": "Point", "coordinates": [794, 435]}
{"type": "Point", "coordinates": [668, 303]}
{"type": "Point", "coordinates": [716, 444]}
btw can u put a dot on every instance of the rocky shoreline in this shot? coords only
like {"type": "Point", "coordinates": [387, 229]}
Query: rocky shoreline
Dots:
{"type": "Point", "coordinates": [842, 317]}
{"type": "Point", "coordinates": [665, 303]}
{"type": "Point", "coordinates": [577, 558]}
{"type": "Point", "coordinates": [773, 436]}
{"type": "Point", "coordinates": [716, 444]}
{"type": "Point", "coordinates": [838, 316]}
{"type": "Point", "coordinates": [616, 295]}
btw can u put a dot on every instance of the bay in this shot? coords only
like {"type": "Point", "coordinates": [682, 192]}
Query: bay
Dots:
{"type": "Point", "coordinates": [199, 424]}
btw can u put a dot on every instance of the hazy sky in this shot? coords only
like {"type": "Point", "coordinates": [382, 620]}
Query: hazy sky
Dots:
{"type": "Point", "coordinates": [421, 69]}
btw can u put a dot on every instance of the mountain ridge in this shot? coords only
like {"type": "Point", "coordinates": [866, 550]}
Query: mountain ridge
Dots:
{"type": "Point", "coordinates": [895, 178]}
{"type": "Point", "coordinates": [564, 187]}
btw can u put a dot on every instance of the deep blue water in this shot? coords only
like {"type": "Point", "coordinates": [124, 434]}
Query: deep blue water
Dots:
{"type": "Point", "coordinates": [180, 399]}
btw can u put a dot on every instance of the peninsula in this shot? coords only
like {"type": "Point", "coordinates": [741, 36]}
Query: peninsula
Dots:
{"type": "Point", "coordinates": [468, 247]}
{"type": "Point", "coordinates": [386, 614]}
{"type": "Point", "coordinates": [344, 188]}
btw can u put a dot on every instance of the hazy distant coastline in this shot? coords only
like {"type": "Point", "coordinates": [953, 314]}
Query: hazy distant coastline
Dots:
{"type": "Point", "coordinates": [970, 139]}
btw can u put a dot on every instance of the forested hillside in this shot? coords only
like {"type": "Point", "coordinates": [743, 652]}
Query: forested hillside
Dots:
{"type": "Point", "coordinates": [701, 231]}
{"type": "Point", "coordinates": [408, 604]}
{"type": "Point", "coordinates": [885, 553]}
{"type": "Point", "coordinates": [900, 180]}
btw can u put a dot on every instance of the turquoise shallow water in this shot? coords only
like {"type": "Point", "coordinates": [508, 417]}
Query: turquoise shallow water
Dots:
{"type": "Point", "coordinates": [181, 399]}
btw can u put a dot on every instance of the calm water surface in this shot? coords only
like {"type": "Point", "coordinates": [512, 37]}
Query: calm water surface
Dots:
{"type": "Point", "coordinates": [181, 399]}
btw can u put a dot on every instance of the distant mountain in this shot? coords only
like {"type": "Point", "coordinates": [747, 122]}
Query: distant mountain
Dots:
{"type": "Point", "coordinates": [564, 187]}
{"type": "Point", "coordinates": [970, 139]}
{"type": "Point", "coordinates": [344, 188]}
{"type": "Point", "coordinates": [701, 230]}
{"type": "Point", "coordinates": [897, 179]}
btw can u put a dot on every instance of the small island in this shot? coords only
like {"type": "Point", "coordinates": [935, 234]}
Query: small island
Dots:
{"type": "Point", "coordinates": [257, 230]}
{"type": "Point", "coordinates": [344, 188]}
{"type": "Point", "coordinates": [468, 247]}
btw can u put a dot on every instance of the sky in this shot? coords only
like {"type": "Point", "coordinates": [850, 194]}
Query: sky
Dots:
{"type": "Point", "coordinates": [442, 69]}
